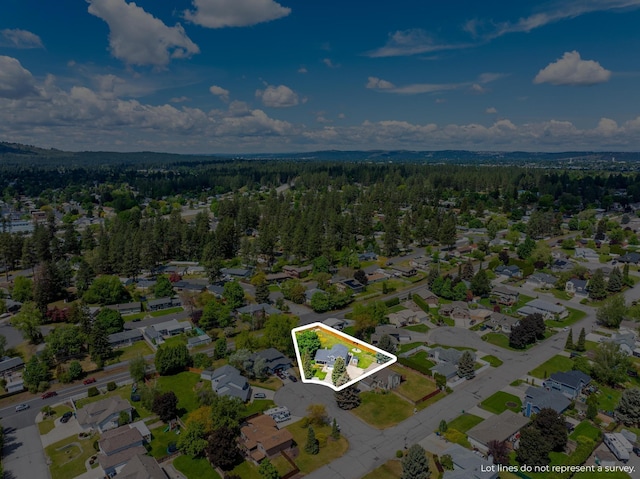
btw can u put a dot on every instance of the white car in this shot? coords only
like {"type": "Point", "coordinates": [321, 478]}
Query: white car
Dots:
{"type": "Point", "coordinates": [22, 407]}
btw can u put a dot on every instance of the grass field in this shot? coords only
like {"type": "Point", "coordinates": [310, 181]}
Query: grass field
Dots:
{"type": "Point", "coordinates": [246, 470]}
{"type": "Point", "coordinates": [574, 316]}
{"type": "Point", "coordinates": [608, 398]}
{"type": "Point", "coordinates": [497, 403]}
{"type": "Point", "coordinates": [68, 457]}
{"type": "Point", "coordinates": [492, 360]}
{"type": "Point", "coordinates": [382, 410]}
{"type": "Point", "coordinates": [272, 383]}
{"type": "Point", "coordinates": [497, 339]}
{"type": "Point", "coordinates": [552, 365]}
{"type": "Point", "coordinates": [165, 312]}
{"type": "Point", "coordinates": [258, 405]}
{"type": "Point", "coordinates": [418, 328]}
{"type": "Point", "coordinates": [465, 422]}
{"type": "Point", "coordinates": [309, 462]}
{"type": "Point", "coordinates": [418, 361]}
{"type": "Point", "coordinates": [392, 469]}
{"type": "Point", "coordinates": [130, 352]}
{"type": "Point", "coordinates": [49, 424]}
{"type": "Point", "coordinates": [183, 384]}
{"type": "Point", "coordinates": [160, 440]}
{"type": "Point", "coordinates": [585, 428]}
{"type": "Point", "coordinates": [415, 386]}
{"type": "Point", "coordinates": [403, 348]}
{"type": "Point", "coordinates": [195, 468]}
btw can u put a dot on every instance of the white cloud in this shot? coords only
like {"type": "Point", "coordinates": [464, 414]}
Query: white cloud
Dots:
{"type": "Point", "coordinates": [440, 100]}
{"type": "Point", "coordinates": [234, 13]}
{"type": "Point", "coordinates": [280, 96]}
{"type": "Point", "coordinates": [17, 38]}
{"type": "Point", "coordinates": [219, 92]}
{"type": "Point", "coordinates": [302, 70]}
{"type": "Point", "coordinates": [491, 111]}
{"type": "Point", "coordinates": [329, 63]}
{"type": "Point", "coordinates": [411, 42]}
{"type": "Point", "coordinates": [378, 84]}
{"type": "Point", "coordinates": [15, 81]}
{"type": "Point", "coordinates": [572, 70]}
{"type": "Point", "coordinates": [138, 38]}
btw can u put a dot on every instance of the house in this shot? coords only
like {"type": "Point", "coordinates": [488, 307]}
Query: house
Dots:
{"type": "Point", "coordinates": [227, 381]}
{"type": "Point", "coordinates": [545, 308]}
{"type": "Point", "coordinates": [536, 399]}
{"type": "Point", "coordinates": [9, 365]}
{"type": "Point", "coordinates": [328, 357]}
{"type": "Point", "coordinates": [368, 256]}
{"type": "Point", "coordinates": [335, 323]}
{"type": "Point", "coordinates": [457, 310]}
{"type": "Point", "coordinates": [191, 286]}
{"type": "Point", "coordinates": [142, 466]}
{"type": "Point", "coordinates": [297, 271]}
{"type": "Point", "coordinates": [397, 335]}
{"type": "Point", "coordinates": [504, 427]}
{"type": "Point", "coordinates": [577, 287]}
{"type": "Point", "coordinates": [15, 383]}
{"type": "Point", "coordinates": [118, 439]}
{"type": "Point", "coordinates": [448, 370]}
{"type": "Point", "coordinates": [633, 258]}
{"type": "Point", "coordinates": [510, 271]}
{"type": "Point", "coordinates": [569, 383]}
{"type": "Point", "coordinates": [586, 254]}
{"type": "Point", "coordinates": [479, 315]}
{"type": "Point", "coordinates": [376, 277]}
{"type": "Point", "coordinates": [144, 283]}
{"type": "Point", "coordinates": [542, 280]}
{"type": "Point", "coordinates": [624, 338]}
{"type": "Point", "coordinates": [447, 355]}
{"type": "Point", "coordinates": [103, 415]}
{"type": "Point", "coordinates": [421, 262]}
{"type": "Point", "coordinates": [126, 308]}
{"type": "Point", "coordinates": [239, 273]}
{"type": "Point", "coordinates": [352, 285]}
{"type": "Point", "coordinates": [277, 278]}
{"type": "Point", "coordinates": [406, 271]}
{"type": "Point", "coordinates": [618, 445]}
{"type": "Point", "coordinates": [468, 465]}
{"type": "Point", "coordinates": [125, 338]}
{"type": "Point", "coordinates": [428, 297]}
{"type": "Point", "coordinates": [171, 328]}
{"type": "Point", "coordinates": [502, 322]}
{"type": "Point", "coordinates": [260, 438]}
{"type": "Point", "coordinates": [561, 265]}
{"type": "Point", "coordinates": [404, 317]}
{"type": "Point", "coordinates": [308, 294]}
{"type": "Point", "coordinates": [505, 295]}
{"type": "Point", "coordinates": [162, 303]}
{"type": "Point", "coordinates": [196, 341]}
{"type": "Point", "coordinates": [273, 359]}
{"type": "Point", "coordinates": [384, 379]}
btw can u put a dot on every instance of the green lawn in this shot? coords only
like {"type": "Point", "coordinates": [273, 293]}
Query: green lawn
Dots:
{"type": "Point", "coordinates": [246, 470]}
{"type": "Point", "coordinates": [125, 393]}
{"type": "Point", "coordinates": [183, 384]}
{"type": "Point", "coordinates": [418, 361]}
{"type": "Point", "coordinates": [586, 429]}
{"type": "Point", "coordinates": [160, 440]}
{"type": "Point", "coordinates": [414, 386]}
{"type": "Point", "coordinates": [48, 425]}
{"type": "Point", "coordinates": [492, 360]}
{"type": "Point", "coordinates": [403, 348]}
{"type": "Point", "coordinates": [574, 316]}
{"type": "Point", "coordinates": [418, 328]}
{"type": "Point", "coordinates": [68, 456]}
{"type": "Point", "coordinates": [328, 340]}
{"type": "Point", "coordinates": [465, 422]}
{"type": "Point", "coordinates": [608, 398]}
{"type": "Point", "coordinates": [309, 462]}
{"type": "Point", "coordinates": [259, 405]}
{"type": "Point", "coordinates": [165, 312]}
{"type": "Point", "coordinates": [382, 410]}
{"type": "Point", "coordinates": [195, 468]}
{"type": "Point", "coordinates": [272, 383]}
{"type": "Point", "coordinates": [130, 352]}
{"type": "Point", "coordinates": [497, 339]}
{"type": "Point", "coordinates": [497, 403]}
{"type": "Point", "coordinates": [552, 365]}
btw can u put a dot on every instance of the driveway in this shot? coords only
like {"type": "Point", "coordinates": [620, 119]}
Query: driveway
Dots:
{"type": "Point", "coordinates": [61, 431]}
{"type": "Point", "coordinates": [23, 454]}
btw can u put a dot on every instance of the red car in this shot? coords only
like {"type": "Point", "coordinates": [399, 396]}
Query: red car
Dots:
{"type": "Point", "coordinates": [89, 381]}
{"type": "Point", "coordinates": [49, 394]}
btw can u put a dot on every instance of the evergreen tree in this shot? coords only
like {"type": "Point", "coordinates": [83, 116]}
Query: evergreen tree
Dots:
{"type": "Point", "coordinates": [387, 344]}
{"type": "Point", "coordinates": [628, 409]}
{"type": "Point", "coordinates": [569, 344]}
{"type": "Point", "coordinates": [267, 470]}
{"type": "Point", "coordinates": [335, 430]}
{"type": "Point", "coordinates": [581, 344]}
{"type": "Point", "coordinates": [534, 447]}
{"type": "Point", "coordinates": [592, 407]}
{"type": "Point", "coordinates": [415, 464]}
{"type": "Point", "coordinates": [616, 281]}
{"type": "Point", "coordinates": [597, 286]}
{"type": "Point", "coordinates": [612, 311]}
{"type": "Point", "coordinates": [466, 366]}
{"type": "Point", "coordinates": [262, 293]}
{"type": "Point", "coordinates": [312, 446]}
{"type": "Point", "coordinates": [339, 370]}
{"type": "Point", "coordinates": [480, 283]}
{"type": "Point", "coordinates": [625, 275]}
{"type": "Point", "coordinates": [347, 398]}
{"type": "Point", "coordinates": [307, 366]}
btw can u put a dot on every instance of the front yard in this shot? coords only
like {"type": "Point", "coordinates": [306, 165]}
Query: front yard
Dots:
{"type": "Point", "coordinates": [555, 364]}
{"type": "Point", "coordinates": [492, 360]}
{"type": "Point", "coordinates": [328, 452]}
{"type": "Point", "coordinates": [68, 456]}
{"type": "Point", "coordinates": [500, 402]}
{"type": "Point", "coordinates": [47, 425]}
{"type": "Point", "coordinates": [415, 386]}
{"type": "Point", "coordinates": [382, 410]}
{"type": "Point", "coordinates": [465, 422]}
{"type": "Point", "coordinates": [575, 315]}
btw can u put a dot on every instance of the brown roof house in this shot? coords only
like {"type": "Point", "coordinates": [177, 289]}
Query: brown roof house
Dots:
{"type": "Point", "coordinates": [428, 297]}
{"type": "Point", "coordinates": [260, 438]}
{"type": "Point", "coordinates": [117, 447]}
{"type": "Point", "coordinates": [103, 415]}
{"type": "Point", "coordinates": [503, 428]}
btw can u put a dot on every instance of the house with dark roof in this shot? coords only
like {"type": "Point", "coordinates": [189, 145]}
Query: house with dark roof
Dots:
{"type": "Point", "coordinates": [397, 335]}
{"type": "Point", "coordinates": [335, 323]}
{"type": "Point", "coordinates": [368, 256]}
{"type": "Point", "coordinates": [103, 415]}
{"type": "Point", "coordinates": [385, 379]}
{"type": "Point", "coordinates": [577, 287]}
{"type": "Point", "coordinates": [126, 308]}
{"type": "Point", "coordinates": [125, 338]}
{"type": "Point", "coordinates": [162, 303]}
{"type": "Point", "coordinates": [468, 465]}
{"type": "Point", "coordinates": [351, 285]}
{"type": "Point", "coordinates": [504, 427]}
{"type": "Point", "coordinates": [633, 258]}
{"type": "Point", "coordinates": [260, 438]}
{"type": "Point", "coordinates": [227, 381]}
{"type": "Point", "coordinates": [505, 295]}
{"type": "Point", "coordinates": [200, 340]}
{"type": "Point", "coordinates": [561, 265]}
{"type": "Point", "coordinates": [569, 383]}
{"type": "Point", "coordinates": [448, 370]}
{"type": "Point", "coordinates": [406, 271]}
{"type": "Point", "coordinates": [542, 280]}
{"type": "Point", "coordinates": [240, 273]}
{"type": "Point", "coordinates": [142, 466]}
{"type": "Point", "coordinates": [537, 399]}
{"type": "Point", "coordinates": [510, 271]}
{"type": "Point", "coordinates": [273, 359]}
{"type": "Point", "coordinates": [328, 357]}
{"type": "Point", "coordinates": [9, 365]}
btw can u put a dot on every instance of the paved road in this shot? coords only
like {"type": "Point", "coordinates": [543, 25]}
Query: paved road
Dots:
{"type": "Point", "coordinates": [23, 456]}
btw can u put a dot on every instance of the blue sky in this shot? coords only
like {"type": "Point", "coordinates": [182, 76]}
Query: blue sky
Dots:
{"type": "Point", "coordinates": [236, 76]}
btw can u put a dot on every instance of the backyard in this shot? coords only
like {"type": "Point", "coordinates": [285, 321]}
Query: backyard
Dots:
{"type": "Point", "coordinates": [415, 386]}
{"type": "Point", "coordinates": [500, 402]}
{"type": "Point", "coordinates": [129, 352]}
{"type": "Point", "coordinates": [332, 450]}
{"type": "Point", "coordinates": [418, 361]}
{"type": "Point", "coordinates": [555, 364]}
{"type": "Point", "coordinates": [195, 468]}
{"type": "Point", "coordinates": [382, 410]}
{"type": "Point", "coordinates": [68, 457]}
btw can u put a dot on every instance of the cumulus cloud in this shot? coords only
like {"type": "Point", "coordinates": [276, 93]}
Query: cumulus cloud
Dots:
{"type": "Point", "coordinates": [15, 81]}
{"type": "Point", "coordinates": [329, 63]}
{"type": "Point", "coordinates": [491, 111]}
{"type": "Point", "coordinates": [280, 96]}
{"type": "Point", "coordinates": [219, 92]}
{"type": "Point", "coordinates": [378, 84]}
{"type": "Point", "coordinates": [411, 42]}
{"type": "Point", "coordinates": [17, 38]}
{"type": "Point", "coordinates": [138, 38]}
{"type": "Point", "coordinates": [234, 13]}
{"type": "Point", "coordinates": [302, 70]}
{"type": "Point", "coordinates": [572, 70]}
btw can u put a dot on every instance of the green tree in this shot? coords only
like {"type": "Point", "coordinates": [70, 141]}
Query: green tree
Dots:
{"type": "Point", "coordinates": [592, 407]}
{"type": "Point", "coordinates": [525, 249]}
{"type": "Point", "coordinates": [192, 440]}
{"type": "Point", "coordinates": [163, 287]}
{"type": "Point", "coordinates": [226, 412]}
{"type": "Point", "coordinates": [293, 290]}
{"type": "Point", "coordinates": [267, 470]}
{"type": "Point", "coordinates": [534, 447]}
{"type": "Point", "coordinates": [99, 347]}
{"type": "Point", "coordinates": [320, 302]}
{"type": "Point", "coordinates": [569, 343]}
{"type": "Point", "coordinates": [22, 289]}
{"type": "Point", "coordinates": [339, 370]}
{"type": "Point", "coordinates": [165, 406]}
{"type": "Point", "coordinates": [28, 322]}
{"type": "Point", "coordinates": [233, 294]}
{"type": "Point", "coordinates": [65, 341]}
{"type": "Point", "coordinates": [216, 315]}
{"type": "Point", "coordinates": [443, 426]}
{"type": "Point", "coordinates": [308, 342]}
{"type": "Point", "coordinates": [612, 311]}
{"type": "Point", "coordinates": [3, 346]}
{"type": "Point", "coordinates": [466, 366]}
{"type": "Point", "coordinates": [349, 397]}
{"type": "Point", "coordinates": [222, 448]}
{"type": "Point", "coordinates": [616, 281]}
{"type": "Point", "coordinates": [220, 348]}
{"type": "Point", "coordinates": [109, 320]}
{"type": "Point", "coordinates": [277, 333]}
{"type": "Point", "coordinates": [36, 372]}
{"type": "Point", "coordinates": [386, 344]}
{"type": "Point", "coordinates": [480, 283]}
{"type": "Point", "coordinates": [597, 286]}
{"type": "Point", "coordinates": [84, 276]}
{"type": "Point", "coordinates": [415, 464]}
{"type": "Point", "coordinates": [582, 338]}
{"type": "Point", "coordinates": [610, 364]}
{"type": "Point", "coordinates": [312, 446]}
{"type": "Point", "coordinates": [106, 290]}
{"type": "Point", "coordinates": [335, 430]}
{"type": "Point", "coordinates": [628, 409]}
{"type": "Point", "coordinates": [138, 368]}
{"type": "Point", "coordinates": [553, 426]}
{"type": "Point", "coordinates": [172, 358]}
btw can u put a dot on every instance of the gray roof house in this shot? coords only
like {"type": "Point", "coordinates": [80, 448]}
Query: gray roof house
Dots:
{"type": "Point", "coordinates": [125, 338]}
{"type": "Point", "coordinates": [577, 287]}
{"type": "Point", "coordinates": [467, 464]}
{"type": "Point", "coordinates": [503, 428]}
{"type": "Point", "coordinates": [329, 356]}
{"type": "Point", "coordinates": [8, 364]}
{"type": "Point", "coordinates": [274, 360]}
{"type": "Point", "coordinates": [536, 399]}
{"type": "Point", "coordinates": [385, 379]}
{"type": "Point", "coordinates": [227, 381]}
{"type": "Point", "coordinates": [542, 280]}
{"type": "Point", "coordinates": [258, 308]}
{"type": "Point", "coordinates": [126, 308]}
{"type": "Point", "coordinates": [569, 383]}
{"type": "Point", "coordinates": [142, 466]}
{"type": "Point", "coordinates": [162, 303]}
{"type": "Point", "coordinates": [448, 370]}
{"type": "Point", "coordinates": [511, 271]}
{"type": "Point", "coordinates": [103, 415]}
{"type": "Point", "coordinates": [547, 309]}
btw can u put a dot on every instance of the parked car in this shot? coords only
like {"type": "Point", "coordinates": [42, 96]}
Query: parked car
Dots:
{"type": "Point", "coordinates": [259, 396]}
{"type": "Point", "coordinates": [22, 407]}
{"type": "Point", "coordinates": [292, 378]}
{"type": "Point", "coordinates": [89, 381]}
{"type": "Point", "coordinates": [66, 416]}
{"type": "Point", "coordinates": [49, 394]}
{"type": "Point", "coordinates": [636, 450]}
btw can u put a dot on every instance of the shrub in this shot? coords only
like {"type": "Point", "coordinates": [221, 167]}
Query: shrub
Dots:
{"type": "Point", "coordinates": [111, 386]}
{"type": "Point", "coordinates": [92, 391]}
{"type": "Point", "coordinates": [322, 439]}
{"type": "Point", "coordinates": [392, 302]}
{"type": "Point", "coordinates": [399, 453]}
{"type": "Point", "coordinates": [96, 446]}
